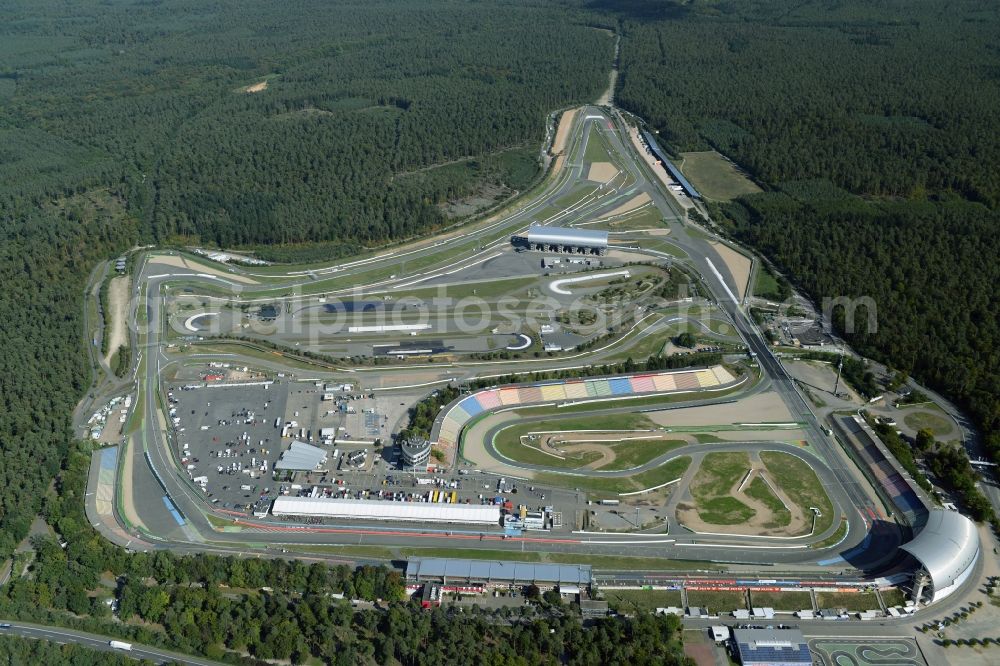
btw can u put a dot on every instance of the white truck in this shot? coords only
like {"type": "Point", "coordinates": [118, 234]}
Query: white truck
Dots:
{"type": "Point", "coordinates": [119, 645]}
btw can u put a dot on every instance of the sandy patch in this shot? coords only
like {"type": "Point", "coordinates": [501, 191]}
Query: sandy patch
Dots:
{"type": "Point", "coordinates": [602, 172]}
{"type": "Point", "coordinates": [631, 204]}
{"type": "Point", "coordinates": [255, 88]}
{"type": "Point", "coordinates": [562, 132]}
{"type": "Point", "coordinates": [823, 378]}
{"type": "Point", "coordinates": [115, 326]}
{"type": "Point", "coordinates": [687, 513]}
{"type": "Point", "coordinates": [762, 408]}
{"type": "Point", "coordinates": [183, 262]}
{"type": "Point", "coordinates": [738, 265]}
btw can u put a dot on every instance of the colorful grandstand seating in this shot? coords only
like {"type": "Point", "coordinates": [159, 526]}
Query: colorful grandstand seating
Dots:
{"type": "Point", "coordinates": [452, 422]}
{"type": "Point", "coordinates": [553, 392]}
{"type": "Point", "coordinates": [620, 386]}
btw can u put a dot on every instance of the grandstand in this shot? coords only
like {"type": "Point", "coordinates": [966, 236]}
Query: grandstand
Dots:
{"type": "Point", "coordinates": [448, 426]}
{"type": "Point", "coordinates": [668, 165]}
{"type": "Point", "coordinates": [882, 468]}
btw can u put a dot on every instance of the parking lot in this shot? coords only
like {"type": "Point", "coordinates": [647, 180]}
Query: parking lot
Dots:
{"type": "Point", "coordinates": [229, 437]}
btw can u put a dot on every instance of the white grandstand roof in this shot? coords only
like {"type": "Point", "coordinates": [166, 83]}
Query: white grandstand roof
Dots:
{"type": "Point", "coordinates": [947, 546]}
{"type": "Point", "coordinates": [566, 236]}
{"type": "Point", "coordinates": [301, 456]}
{"type": "Point", "coordinates": [427, 512]}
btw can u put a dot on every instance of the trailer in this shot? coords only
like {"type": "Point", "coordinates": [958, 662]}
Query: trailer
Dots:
{"type": "Point", "coordinates": [120, 645]}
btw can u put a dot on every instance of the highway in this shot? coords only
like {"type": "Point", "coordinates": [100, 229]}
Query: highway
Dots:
{"type": "Point", "coordinates": [61, 636]}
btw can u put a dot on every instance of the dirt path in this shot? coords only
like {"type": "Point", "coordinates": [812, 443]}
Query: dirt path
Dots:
{"type": "Point", "coordinates": [115, 326]}
{"type": "Point", "coordinates": [559, 446]}
{"type": "Point", "coordinates": [608, 95]}
{"type": "Point", "coordinates": [738, 265]}
{"type": "Point", "coordinates": [562, 132]}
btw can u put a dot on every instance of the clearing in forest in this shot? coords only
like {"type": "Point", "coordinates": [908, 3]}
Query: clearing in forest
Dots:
{"type": "Point", "coordinates": [254, 88]}
{"type": "Point", "coordinates": [715, 176]}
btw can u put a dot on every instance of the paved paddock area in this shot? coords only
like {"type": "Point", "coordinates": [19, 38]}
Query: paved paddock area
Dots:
{"type": "Point", "coordinates": [867, 652]}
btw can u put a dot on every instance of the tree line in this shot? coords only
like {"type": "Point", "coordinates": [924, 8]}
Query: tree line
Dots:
{"type": "Point", "coordinates": [873, 128]}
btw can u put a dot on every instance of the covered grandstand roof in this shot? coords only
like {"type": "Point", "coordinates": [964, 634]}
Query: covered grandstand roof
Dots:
{"type": "Point", "coordinates": [301, 456]}
{"type": "Point", "coordinates": [947, 547]}
{"type": "Point", "coordinates": [383, 510]}
{"type": "Point", "coordinates": [566, 236]}
{"type": "Point", "coordinates": [496, 571]}
{"type": "Point", "coordinates": [674, 171]}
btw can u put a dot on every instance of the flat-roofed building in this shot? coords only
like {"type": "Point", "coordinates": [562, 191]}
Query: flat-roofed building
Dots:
{"type": "Point", "coordinates": [421, 512]}
{"type": "Point", "coordinates": [771, 647]}
{"type": "Point", "coordinates": [487, 573]}
{"type": "Point", "coordinates": [564, 239]}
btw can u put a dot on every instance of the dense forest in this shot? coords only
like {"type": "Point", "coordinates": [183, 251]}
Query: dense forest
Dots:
{"type": "Point", "coordinates": [250, 122]}
{"type": "Point", "coordinates": [874, 127]}
{"type": "Point", "coordinates": [28, 651]}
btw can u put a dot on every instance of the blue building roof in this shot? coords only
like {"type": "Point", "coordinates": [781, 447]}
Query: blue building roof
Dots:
{"type": "Point", "coordinates": [773, 647]}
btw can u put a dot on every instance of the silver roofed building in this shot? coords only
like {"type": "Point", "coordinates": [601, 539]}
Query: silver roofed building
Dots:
{"type": "Point", "coordinates": [443, 570]}
{"type": "Point", "coordinates": [947, 548]}
{"type": "Point", "coordinates": [301, 457]}
{"type": "Point", "coordinates": [564, 239]}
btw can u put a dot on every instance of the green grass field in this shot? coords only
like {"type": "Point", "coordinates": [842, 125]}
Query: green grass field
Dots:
{"type": "Point", "coordinates": [852, 601]}
{"type": "Point", "coordinates": [759, 490]}
{"type": "Point", "coordinates": [597, 147]}
{"type": "Point", "coordinates": [531, 454]}
{"type": "Point", "coordinates": [611, 486]}
{"type": "Point", "coordinates": [628, 454]}
{"type": "Point", "coordinates": [637, 453]}
{"type": "Point", "coordinates": [642, 600]}
{"type": "Point", "coordinates": [721, 327]}
{"type": "Point", "coordinates": [800, 483]}
{"type": "Point", "coordinates": [922, 418]}
{"type": "Point", "coordinates": [711, 487]}
{"type": "Point", "coordinates": [715, 176]}
{"type": "Point", "coordinates": [647, 217]}
{"type": "Point", "coordinates": [717, 601]}
{"type": "Point", "coordinates": [783, 601]}
{"type": "Point", "coordinates": [834, 538]}
{"type": "Point", "coordinates": [508, 440]}
{"type": "Point", "coordinates": [766, 284]}
{"type": "Point", "coordinates": [893, 597]}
